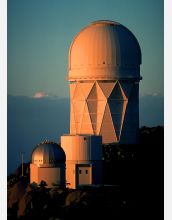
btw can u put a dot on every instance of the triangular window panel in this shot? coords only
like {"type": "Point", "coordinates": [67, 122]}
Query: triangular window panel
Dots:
{"type": "Point", "coordinates": [100, 112]}
{"type": "Point", "coordinates": [116, 106]}
{"type": "Point", "coordinates": [92, 106]}
{"type": "Point", "coordinates": [86, 88]}
{"type": "Point", "coordinates": [101, 106]}
{"type": "Point", "coordinates": [78, 95]}
{"type": "Point", "coordinates": [123, 94]}
{"type": "Point", "coordinates": [78, 108]}
{"type": "Point", "coordinates": [100, 94]}
{"type": "Point", "coordinates": [94, 125]}
{"type": "Point", "coordinates": [93, 94]}
{"type": "Point", "coordinates": [94, 121]}
{"type": "Point", "coordinates": [107, 129]}
{"type": "Point", "coordinates": [117, 119]}
{"type": "Point", "coordinates": [106, 88]}
{"type": "Point", "coordinates": [86, 126]}
{"type": "Point", "coordinates": [116, 93]}
{"type": "Point", "coordinates": [93, 118]}
{"type": "Point", "coordinates": [126, 88]}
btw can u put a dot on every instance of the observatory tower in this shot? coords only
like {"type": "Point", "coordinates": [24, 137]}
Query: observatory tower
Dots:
{"type": "Point", "coordinates": [104, 75]}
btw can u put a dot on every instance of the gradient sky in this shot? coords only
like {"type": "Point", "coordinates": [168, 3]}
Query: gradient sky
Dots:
{"type": "Point", "coordinates": [40, 33]}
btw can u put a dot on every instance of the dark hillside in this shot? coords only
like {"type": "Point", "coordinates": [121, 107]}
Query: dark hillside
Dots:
{"type": "Point", "coordinates": [133, 187]}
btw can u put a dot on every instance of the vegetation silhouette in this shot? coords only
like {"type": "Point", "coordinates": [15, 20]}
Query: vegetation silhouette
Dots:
{"type": "Point", "coordinates": [133, 187]}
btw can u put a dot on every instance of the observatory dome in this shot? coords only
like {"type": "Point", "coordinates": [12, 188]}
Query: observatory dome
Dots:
{"type": "Point", "coordinates": [104, 50]}
{"type": "Point", "coordinates": [48, 154]}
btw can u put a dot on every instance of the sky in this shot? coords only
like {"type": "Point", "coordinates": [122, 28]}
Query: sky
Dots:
{"type": "Point", "coordinates": [39, 35]}
{"type": "Point", "coordinates": [32, 120]}
{"type": "Point", "coordinates": [41, 31]}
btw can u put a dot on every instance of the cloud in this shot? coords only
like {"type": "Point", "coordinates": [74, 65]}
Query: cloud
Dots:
{"type": "Point", "coordinates": [154, 94]}
{"type": "Point", "coordinates": [39, 95]}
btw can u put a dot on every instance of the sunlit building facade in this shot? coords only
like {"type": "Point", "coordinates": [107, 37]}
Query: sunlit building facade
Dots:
{"type": "Point", "coordinates": [83, 159]}
{"type": "Point", "coordinates": [103, 75]}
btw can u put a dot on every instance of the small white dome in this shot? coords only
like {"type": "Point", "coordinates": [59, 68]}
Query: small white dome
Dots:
{"type": "Point", "coordinates": [48, 154]}
{"type": "Point", "coordinates": [104, 50]}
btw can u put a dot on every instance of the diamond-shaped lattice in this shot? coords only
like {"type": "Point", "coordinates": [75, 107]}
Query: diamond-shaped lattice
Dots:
{"type": "Point", "coordinates": [117, 102]}
{"type": "Point", "coordinates": [99, 108]}
{"type": "Point", "coordinates": [116, 92]}
{"type": "Point", "coordinates": [100, 112]}
{"type": "Point", "coordinates": [78, 108]}
{"type": "Point", "coordinates": [96, 102]}
{"type": "Point", "coordinates": [93, 93]}
{"type": "Point", "coordinates": [86, 88]}
{"type": "Point", "coordinates": [92, 107]}
{"type": "Point", "coordinates": [86, 125]}
{"type": "Point", "coordinates": [106, 88]}
{"type": "Point", "coordinates": [107, 129]}
{"type": "Point", "coordinates": [100, 94]}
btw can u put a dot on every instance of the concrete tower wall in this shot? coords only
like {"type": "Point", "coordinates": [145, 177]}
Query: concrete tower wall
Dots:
{"type": "Point", "coordinates": [51, 175]}
{"type": "Point", "coordinates": [83, 159]}
{"type": "Point", "coordinates": [82, 147]}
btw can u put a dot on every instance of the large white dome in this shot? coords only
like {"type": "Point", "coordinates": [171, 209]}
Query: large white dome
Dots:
{"type": "Point", "coordinates": [104, 50]}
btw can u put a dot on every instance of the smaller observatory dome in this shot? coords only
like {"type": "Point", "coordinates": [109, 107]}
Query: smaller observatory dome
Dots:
{"type": "Point", "coordinates": [48, 154]}
{"type": "Point", "coordinates": [104, 50]}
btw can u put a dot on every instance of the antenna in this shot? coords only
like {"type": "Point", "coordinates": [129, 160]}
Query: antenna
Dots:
{"type": "Point", "coordinates": [22, 153]}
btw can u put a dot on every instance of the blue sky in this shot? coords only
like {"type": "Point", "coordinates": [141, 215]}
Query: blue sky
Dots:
{"type": "Point", "coordinates": [40, 33]}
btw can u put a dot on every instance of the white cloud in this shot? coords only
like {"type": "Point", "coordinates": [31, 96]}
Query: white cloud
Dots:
{"type": "Point", "coordinates": [154, 94]}
{"type": "Point", "coordinates": [39, 95]}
